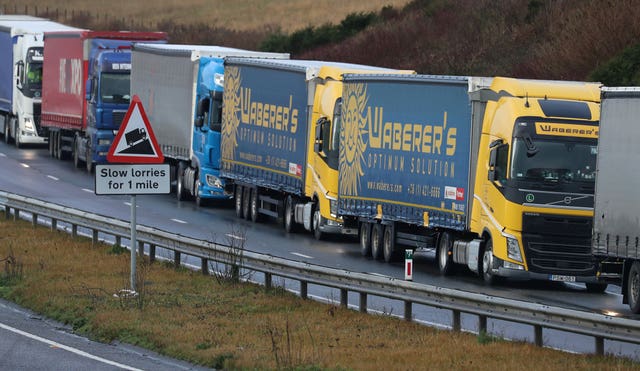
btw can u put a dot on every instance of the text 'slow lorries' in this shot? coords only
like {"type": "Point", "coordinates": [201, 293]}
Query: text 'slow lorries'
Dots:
{"type": "Point", "coordinates": [616, 224]}
{"type": "Point", "coordinates": [493, 174]}
{"type": "Point", "coordinates": [86, 90]}
{"type": "Point", "coordinates": [21, 58]}
{"type": "Point", "coordinates": [275, 115]}
{"type": "Point", "coordinates": [181, 87]}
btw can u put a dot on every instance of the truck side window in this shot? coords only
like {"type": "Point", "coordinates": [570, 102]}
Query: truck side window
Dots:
{"type": "Point", "coordinates": [502, 156]}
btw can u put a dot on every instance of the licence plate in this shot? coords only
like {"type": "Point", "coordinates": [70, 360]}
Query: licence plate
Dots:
{"type": "Point", "coordinates": [557, 277]}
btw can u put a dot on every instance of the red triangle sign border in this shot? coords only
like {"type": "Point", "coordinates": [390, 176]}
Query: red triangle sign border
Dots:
{"type": "Point", "coordinates": [135, 158]}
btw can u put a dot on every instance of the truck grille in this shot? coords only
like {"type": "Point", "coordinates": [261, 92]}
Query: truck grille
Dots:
{"type": "Point", "coordinates": [558, 244]}
{"type": "Point", "coordinates": [118, 117]}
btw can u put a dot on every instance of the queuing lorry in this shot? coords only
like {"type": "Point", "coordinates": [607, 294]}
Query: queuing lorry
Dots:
{"type": "Point", "coordinates": [86, 90]}
{"type": "Point", "coordinates": [273, 119]}
{"type": "Point", "coordinates": [21, 58]}
{"type": "Point", "coordinates": [496, 174]}
{"type": "Point", "coordinates": [181, 87]}
{"type": "Point", "coordinates": [616, 226]}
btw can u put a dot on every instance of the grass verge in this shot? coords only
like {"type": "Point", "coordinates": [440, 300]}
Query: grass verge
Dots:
{"type": "Point", "coordinates": [225, 325]}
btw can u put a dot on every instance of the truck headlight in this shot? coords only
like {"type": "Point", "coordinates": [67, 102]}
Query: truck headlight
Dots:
{"type": "Point", "coordinates": [28, 124]}
{"type": "Point", "coordinates": [213, 181]}
{"type": "Point", "coordinates": [333, 207]}
{"type": "Point", "coordinates": [513, 249]}
{"type": "Point", "coordinates": [104, 142]}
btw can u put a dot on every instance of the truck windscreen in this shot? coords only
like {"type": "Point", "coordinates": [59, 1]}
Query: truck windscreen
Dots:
{"type": "Point", "coordinates": [115, 87]}
{"type": "Point", "coordinates": [553, 160]}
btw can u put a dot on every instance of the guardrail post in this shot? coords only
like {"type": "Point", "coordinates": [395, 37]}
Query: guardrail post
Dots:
{"type": "Point", "coordinates": [16, 214]}
{"type": "Point", "coordinates": [94, 237]}
{"type": "Point", "coordinates": [152, 253]}
{"type": "Point", "coordinates": [141, 248]}
{"type": "Point", "coordinates": [74, 230]}
{"type": "Point", "coordinates": [268, 280]}
{"type": "Point", "coordinates": [204, 266]}
{"type": "Point", "coordinates": [363, 302]}
{"type": "Point", "coordinates": [118, 241]}
{"type": "Point", "coordinates": [408, 311]}
{"type": "Point", "coordinates": [482, 324]}
{"type": "Point", "coordinates": [303, 290]}
{"type": "Point", "coordinates": [344, 298]}
{"type": "Point", "coordinates": [54, 224]}
{"type": "Point", "coordinates": [455, 325]}
{"type": "Point", "coordinates": [599, 345]}
{"type": "Point", "coordinates": [537, 335]}
{"type": "Point", "coordinates": [176, 258]}
{"type": "Point", "coordinates": [7, 212]}
{"type": "Point", "coordinates": [34, 219]}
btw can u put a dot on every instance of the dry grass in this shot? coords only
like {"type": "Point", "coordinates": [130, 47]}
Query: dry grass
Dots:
{"type": "Point", "coordinates": [242, 15]}
{"type": "Point", "coordinates": [238, 326]}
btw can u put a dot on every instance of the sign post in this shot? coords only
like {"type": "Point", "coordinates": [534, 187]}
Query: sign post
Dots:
{"type": "Point", "coordinates": [140, 168]}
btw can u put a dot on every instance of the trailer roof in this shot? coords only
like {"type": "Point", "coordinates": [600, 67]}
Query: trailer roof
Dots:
{"type": "Point", "coordinates": [198, 51]}
{"type": "Point", "coordinates": [116, 35]}
{"type": "Point", "coordinates": [25, 24]}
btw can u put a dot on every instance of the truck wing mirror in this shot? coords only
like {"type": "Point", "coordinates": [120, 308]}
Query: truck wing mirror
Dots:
{"type": "Point", "coordinates": [87, 90]}
{"type": "Point", "coordinates": [201, 112]}
{"type": "Point", "coordinates": [317, 147]}
{"type": "Point", "coordinates": [493, 155]}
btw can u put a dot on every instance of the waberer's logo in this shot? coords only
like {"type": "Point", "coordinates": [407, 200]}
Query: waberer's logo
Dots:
{"type": "Point", "coordinates": [352, 147]}
{"type": "Point", "coordinates": [231, 113]}
{"type": "Point", "coordinates": [566, 130]}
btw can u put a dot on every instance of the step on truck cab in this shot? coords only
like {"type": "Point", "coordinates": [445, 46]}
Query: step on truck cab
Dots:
{"type": "Point", "coordinates": [182, 88]}
{"type": "Point", "coordinates": [86, 90]}
{"type": "Point", "coordinates": [279, 131]}
{"type": "Point", "coordinates": [496, 174]}
{"type": "Point", "coordinates": [21, 59]}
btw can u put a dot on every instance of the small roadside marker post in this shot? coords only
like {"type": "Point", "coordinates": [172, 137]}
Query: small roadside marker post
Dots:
{"type": "Point", "coordinates": [408, 265]}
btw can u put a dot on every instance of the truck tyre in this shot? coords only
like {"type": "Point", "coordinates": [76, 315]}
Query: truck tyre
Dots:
{"type": "Point", "coordinates": [365, 239]}
{"type": "Point", "coordinates": [443, 254]}
{"type": "Point", "coordinates": [633, 287]}
{"type": "Point", "coordinates": [88, 158]}
{"type": "Point", "coordinates": [315, 223]}
{"type": "Point", "coordinates": [7, 130]}
{"type": "Point", "coordinates": [389, 244]}
{"type": "Point", "coordinates": [596, 287]}
{"type": "Point", "coordinates": [16, 135]}
{"type": "Point", "coordinates": [255, 214]}
{"type": "Point", "coordinates": [51, 139]}
{"type": "Point", "coordinates": [238, 201]}
{"type": "Point", "coordinates": [200, 202]}
{"type": "Point", "coordinates": [180, 191]}
{"type": "Point", "coordinates": [246, 201]}
{"type": "Point", "coordinates": [487, 263]}
{"type": "Point", "coordinates": [377, 234]}
{"type": "Point", "coordinates": [288, 217]}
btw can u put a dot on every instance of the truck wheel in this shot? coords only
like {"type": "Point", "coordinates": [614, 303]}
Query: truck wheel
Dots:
{"type": "Point", "coordinates": [487, 263]}
{"type": "Point", "coordinates": [596, 287]}
{"type": "Point", "coordinates": [200, 202]}
{"type": "Point", "coordinates": [255, 214]}
{"type": "Point", "coordinates": [389, 244]}
{"type": "Point", "coordinates": [88, 158]}
{"type": "Point", "coordinates": [288, 217]}
{"type": "Point", "coordinates": [246, 201]}
{"type": "Point", "coordinates": [7, 133]}
{"type": "Point", "coordinates": [180, 191]}
{"type": "Point", "coordinates": [51, 139]}
{"type": "Point", "coordinates": [633, 287]}
{"type": "Point", "coordinates": [377, 233]}
{"type": "Point", "coordinates": [238, 201]}
{"type": "Point", "coordinates": [16, 135]}
{"type": "Point", "coordinates": [443, 255]}
{"type": "Point", "coordinates": [317, 218]}
{"type": "Point", "coordinates": [365, 239]}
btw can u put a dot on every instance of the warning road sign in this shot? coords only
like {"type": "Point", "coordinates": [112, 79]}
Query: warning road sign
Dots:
{"type": "Point", "coordinates": [135, 142]}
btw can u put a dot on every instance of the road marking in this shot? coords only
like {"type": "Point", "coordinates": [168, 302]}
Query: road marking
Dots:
{"type": "Point", "coordinates": [88, 190]}
{"type": "Point", "coordinates": [302, 255]}
{"type": "Point", "coordinates": [67, 348]}
{"type": "Point", "coordinates": [235, 237]}
{"type": "Point", "coordinates": [24, 165]}
{"type": "Point", "coordinates": [129, 204]}
{"type": "Point", "coordinates": [179, 221]}
{"type": "Point", "coordinates": [3, 155]}
{"type": "Point", "coordinates": [52, 177]}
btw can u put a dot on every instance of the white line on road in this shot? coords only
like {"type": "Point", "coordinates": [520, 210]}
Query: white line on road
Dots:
{"type": "Point", "coordinates": [52, 177]}
{"type": "Point", "coordinates": [235, 237]}
{"type": "Point", "coordinates": [24, 165]}
{"type": "Point", "coordinates": [302, 255]}
{"type": "Point", "coordinates": [3, 155]}
{"type": "Point", "coordinates": [179, 221]}
{"type": "Point", "coordinates": [87, 190]}
{"type": "Point", "coordinates": [67, 348]}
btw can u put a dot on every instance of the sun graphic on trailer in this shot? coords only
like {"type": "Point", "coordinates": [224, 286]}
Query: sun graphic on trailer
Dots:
{"type": "Point", "coordinates": [352, 148]}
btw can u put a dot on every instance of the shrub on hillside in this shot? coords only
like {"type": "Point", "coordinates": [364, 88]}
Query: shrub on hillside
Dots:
{"type": "Point", "coordinates": [622, 70]}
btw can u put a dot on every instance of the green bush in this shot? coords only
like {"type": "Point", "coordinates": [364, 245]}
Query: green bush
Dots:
{"type": "Point", "coordinates": [621, 70]}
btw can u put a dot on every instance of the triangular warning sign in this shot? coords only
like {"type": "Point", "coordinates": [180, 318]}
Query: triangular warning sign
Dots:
{"type": "Point", "coordinates": [135, 142]}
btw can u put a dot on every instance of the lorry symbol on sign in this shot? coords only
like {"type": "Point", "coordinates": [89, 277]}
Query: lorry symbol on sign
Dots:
{"type": "Point", "coordinates": [135, 135]}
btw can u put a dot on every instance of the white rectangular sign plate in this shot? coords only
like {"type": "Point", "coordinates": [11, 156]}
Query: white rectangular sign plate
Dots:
{"type": "Point", "coordinates": [140, 179]}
